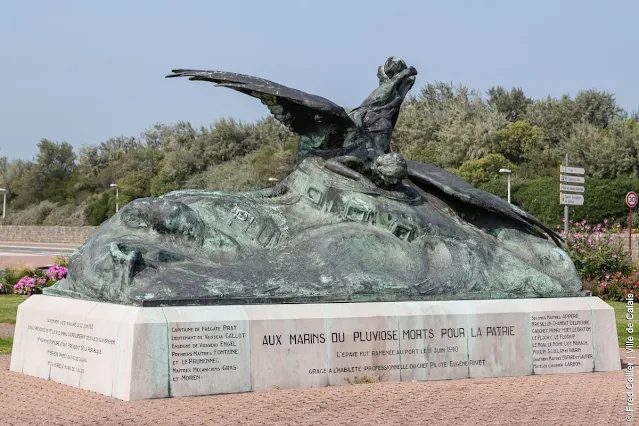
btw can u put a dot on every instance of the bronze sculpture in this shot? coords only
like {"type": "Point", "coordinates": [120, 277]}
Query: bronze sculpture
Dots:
{"type": "Point", "coordinates": [353, 222]}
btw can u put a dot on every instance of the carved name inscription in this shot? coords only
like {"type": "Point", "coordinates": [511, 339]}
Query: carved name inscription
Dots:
{"type": "Point", "coordinates": [561, 341]}
{"type": "Point", "coordinates": [70, 344]}
{"type": "Point", "coordinates": [200, 352]}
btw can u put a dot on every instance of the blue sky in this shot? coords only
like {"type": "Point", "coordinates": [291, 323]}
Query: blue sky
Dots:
{"type": "Point", "coordinates": [83, 71]}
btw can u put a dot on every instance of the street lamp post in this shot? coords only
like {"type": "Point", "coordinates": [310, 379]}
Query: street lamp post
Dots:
{"type": "Point", "coordinates": [117, 193]}
{"type": "Point", "coordinates": [4, 202]}
{"type": "Point", "coordinates": [507, 172]}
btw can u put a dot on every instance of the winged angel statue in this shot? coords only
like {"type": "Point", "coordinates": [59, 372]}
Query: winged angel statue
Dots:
{"type": "Point", "coordinates": [353, 222]}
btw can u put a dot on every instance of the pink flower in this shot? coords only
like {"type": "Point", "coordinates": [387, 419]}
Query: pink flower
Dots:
{"type": "Point", "coordinates": [604, 284]}
{"type": "Point", "coordinates": [605, 221]}
{"type": "Point", "coordinates": [607, 276]}
{"type": "Point", "coordinates": [56, 272]}
{"type": "Point", "coordinates": [614, 255]}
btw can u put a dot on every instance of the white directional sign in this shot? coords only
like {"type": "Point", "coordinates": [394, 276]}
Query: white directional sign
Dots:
{"type": "Point", "coordinates": [570, 188]}
{"type": "Point", "coordinates": [571, 179]}
{"type": "Point", "coordinates": [571, 199]}
{"type": "Point", "coordinates": [572, 170]}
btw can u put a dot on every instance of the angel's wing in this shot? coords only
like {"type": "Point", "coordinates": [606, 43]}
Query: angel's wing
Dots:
{"type": "Point", "coordinates": [429, 174]}
{"type": "Point", "coordinates": [321, 124]}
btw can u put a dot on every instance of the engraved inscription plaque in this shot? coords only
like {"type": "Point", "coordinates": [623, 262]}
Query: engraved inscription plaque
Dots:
{"type": "Point", "coordinates": [562, 342]}
{"type": "Point", "coordinates": [208, 358]}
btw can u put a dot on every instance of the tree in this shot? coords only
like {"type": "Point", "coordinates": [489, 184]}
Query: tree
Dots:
{"type": "Point", "coordinates": [596, 108]}
{"type": "Point", "coordinates": [446, 125]}
{"type": "Point", "coordinates": [605, 154]}
{"type": "Point", "coordinates": [519, 141]}
{"type": "Point", "coordinates": [512, 105]}
{"type": "Point", "coordinates": [555, 117]}
{"type": "Point", "coordinates": [483, 170]}
{"type": "Point", "coordinates": [55, 163]}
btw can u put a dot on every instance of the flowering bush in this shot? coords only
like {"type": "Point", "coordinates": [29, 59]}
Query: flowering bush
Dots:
{"type": "Point", "coordinates": [600, 259]}
{"type": "Point", "coordinates": [617, 286]}
{"type": "Point", "coordinates": [56, 273]}
{"type": "Point", "coordinates": [29, 285]}
{"type": "Point", "coordinates": [36, 280]}
{"type": "Point", "coordinates": [598, 255]}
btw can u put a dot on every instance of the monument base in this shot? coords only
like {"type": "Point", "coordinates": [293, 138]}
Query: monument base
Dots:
{"type": "Point", "coordinates": [133, 353]}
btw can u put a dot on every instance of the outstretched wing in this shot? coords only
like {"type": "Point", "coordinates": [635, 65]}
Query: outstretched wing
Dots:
{"type": "Point", "coordinates": [457, 188]}
{"type": "Point", "coordinates": [321, 124]}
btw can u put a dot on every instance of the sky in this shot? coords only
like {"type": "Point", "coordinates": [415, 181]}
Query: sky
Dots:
{"type": "Point", "coordinates": [84, 71]}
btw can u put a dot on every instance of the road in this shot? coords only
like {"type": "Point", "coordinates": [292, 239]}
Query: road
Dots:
{"type": "Point", "coordinates": [21, 250]}
{"type": "Point", "coordinates": [33, 254]}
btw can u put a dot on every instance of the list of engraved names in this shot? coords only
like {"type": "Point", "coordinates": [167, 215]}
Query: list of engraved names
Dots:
{"type": "Point", "coordinates": [198, 351]}
{"type": "Point", "coordinates": [561, 340]}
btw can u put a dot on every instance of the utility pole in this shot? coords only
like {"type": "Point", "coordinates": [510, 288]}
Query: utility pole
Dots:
{"type": "Point", "coordinates": [566, 207]}
{"type": "Point", "coordinates": [117, 193]}
{"type": "Point", "coordinates": [4, 202]}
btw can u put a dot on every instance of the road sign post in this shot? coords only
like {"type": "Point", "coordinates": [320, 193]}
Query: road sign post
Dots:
{"type": "Point", "coordinates": [566, 189]}
{"type": "Point", "coordinates": [631, 202]}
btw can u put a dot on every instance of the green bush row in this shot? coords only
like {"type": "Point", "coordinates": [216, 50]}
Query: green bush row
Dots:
{"type": "Point", "coordinates": [603, 198]}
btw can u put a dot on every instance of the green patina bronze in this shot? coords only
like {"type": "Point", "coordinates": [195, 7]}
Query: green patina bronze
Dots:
{"type": "Point", "coordinates": [353, 222]}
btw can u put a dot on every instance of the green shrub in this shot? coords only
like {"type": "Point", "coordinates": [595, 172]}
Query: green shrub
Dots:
{"type": "Point", "coordinates": [13, 274]}
{"type": "Point", "coordinates": [33, 215]}
{"type": "Point", "coordinates": [540, 197]}
{"type": "Point", "coordinates": [61, 261]}
{"type": "Point", "coordinates": [66, 215]}
{"type": "Point", "coordinates": [477, 172]}
{"type": "Point", "coordinates": [496, 187]}
{"type": "Point", "coordinates": [603, 198]}
{"type": "Point", "coordinates": [98, 209]}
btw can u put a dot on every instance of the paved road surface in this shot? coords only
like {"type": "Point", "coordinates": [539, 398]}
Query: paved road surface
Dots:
{"type": "Point", "coordinates": [33, 254]}
{"type": "Point", "coordinates": [13, 250]}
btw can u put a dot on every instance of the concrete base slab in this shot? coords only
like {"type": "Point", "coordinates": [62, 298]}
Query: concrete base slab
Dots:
{"type": "Point", "coordinates": [133, 353]}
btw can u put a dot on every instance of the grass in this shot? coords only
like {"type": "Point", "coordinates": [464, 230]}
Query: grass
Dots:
{"type": "Point", "coordinates": [9, 307]}
{"type": "Point", "coordinates": [622, 322]}
{"type": "Point", "coordinates": [6, 344]}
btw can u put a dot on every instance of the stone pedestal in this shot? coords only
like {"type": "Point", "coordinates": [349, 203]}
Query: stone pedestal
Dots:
{"type": "Point", "coordinates": [135, 353]}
